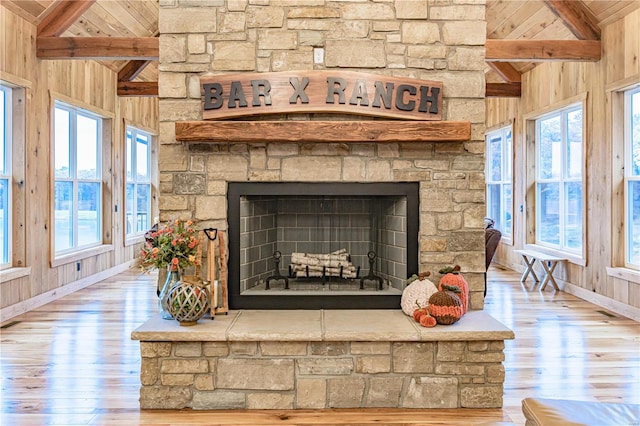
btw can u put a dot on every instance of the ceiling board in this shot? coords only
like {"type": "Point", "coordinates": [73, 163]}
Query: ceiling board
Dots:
{"type": "Point", "coordinates": [503, 17]}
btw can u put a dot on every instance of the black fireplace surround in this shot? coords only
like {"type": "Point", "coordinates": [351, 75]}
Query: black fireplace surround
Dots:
{"type": "Point", "coordinates": [238, 191]}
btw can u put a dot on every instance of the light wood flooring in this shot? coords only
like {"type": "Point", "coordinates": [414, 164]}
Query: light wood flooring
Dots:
{"type": "Point", "coordinates": [72, 362]}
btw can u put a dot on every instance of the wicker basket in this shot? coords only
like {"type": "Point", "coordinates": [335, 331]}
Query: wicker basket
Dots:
{"type": "Point", "coordinates": [188, 302]}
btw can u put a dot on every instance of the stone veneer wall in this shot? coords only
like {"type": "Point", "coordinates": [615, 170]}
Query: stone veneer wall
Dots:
{"type": "Point", "coordinates": [287, 375]}
{"type": "Point", "coordinates": [440, 40]}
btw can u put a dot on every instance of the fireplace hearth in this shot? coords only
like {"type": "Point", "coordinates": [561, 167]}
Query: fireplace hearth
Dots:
{"type": "Point", "coordinates": [321, 245]}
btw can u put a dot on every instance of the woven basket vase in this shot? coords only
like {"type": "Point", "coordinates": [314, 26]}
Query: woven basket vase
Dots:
{"type": "Point", "coordinates": [188, 302]}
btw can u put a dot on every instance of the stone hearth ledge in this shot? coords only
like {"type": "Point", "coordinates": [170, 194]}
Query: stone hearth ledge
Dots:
{"type": "Point", "coordinates": [321, 325]}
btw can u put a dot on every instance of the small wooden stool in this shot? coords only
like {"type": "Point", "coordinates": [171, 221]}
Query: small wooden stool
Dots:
{"type": "Point", "coordinates": [548, 262]}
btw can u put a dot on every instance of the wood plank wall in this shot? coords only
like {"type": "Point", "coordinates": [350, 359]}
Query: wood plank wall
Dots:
{"type": "Point", "coordinates": [85, 84]}
{"type": "Point", "coordinates": [550, 84]}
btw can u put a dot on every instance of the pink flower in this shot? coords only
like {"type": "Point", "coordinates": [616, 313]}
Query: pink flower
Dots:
{"type": "Point", "coordinates": [175, 261]}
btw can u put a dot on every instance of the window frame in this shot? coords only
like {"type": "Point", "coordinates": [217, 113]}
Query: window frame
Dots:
{"type": "Point", "coordinates": [628, 176]}
{"type": "Point", "coordinates": [135, 235]}
{"type": "Point", "coordinates": [102, 122]}
{"type": "Point", "coordinates": [7, 147]}
{"type": "Point", "coordinates": [506, 176]}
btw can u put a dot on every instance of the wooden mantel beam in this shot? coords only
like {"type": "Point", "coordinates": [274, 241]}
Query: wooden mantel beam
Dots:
{"type": "Point", "coordinates": [576, 17]}
{"type": "Point", "coordinates": [61, 15]}
{"type": "Point", "coordinates": [99, 48]}
{"type": "Point", "coordinates": [503, 90]}
{"type": "Point", "coordinates": [138, 88]}
{"type": "Point", "coordinates": [542, 50]}
{"type": "Point", "coordinates": [323, 131]}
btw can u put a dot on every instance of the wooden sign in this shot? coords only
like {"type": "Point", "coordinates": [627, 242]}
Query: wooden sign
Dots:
{"type": "Point", "coordinates": [345, 92]}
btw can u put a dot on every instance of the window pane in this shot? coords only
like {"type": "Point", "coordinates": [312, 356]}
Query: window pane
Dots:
{"type": "Point", "coordinates": [129, 158]}
{"type": "Point", "coordinates": [506, 229]}
{"type": "Point", "coordinates": [495, 159]}
{"type": "Point", "coordinates": [87, 129]}
{"type": "Point", "coordinates": [635, 134]}
{"type": "Point", "coordinates": [549, 208]}
{"type": "Point", "coordinates": [62, 138]}
{"type": "Point", "coordinates": [144, 208]}
{"type": "Point", "coordinates": [3, 136]}
{"type": "Point", "coordinates": [573, 215]}
{"type": "Point", "coordinates": [493, 203]}
{"type": "Point", "coordinates": [550, 148]}
{"type": "Point", "coordinates": [508, 155]}
{"type": "Point", "coordinates": [88, 213]}
{"type": "Point", "coordinates": [4, 220]}
{"type": "Point", "coordinates": [129, 197]}
{"type": "Point", "coordinates": [142, 158]}
{"type": "Point", "coordinates": [63, 206]}
{"type": "Point", "coordinates": [633, 219]}
{"type": "Point", "coordinates": [574, 144]}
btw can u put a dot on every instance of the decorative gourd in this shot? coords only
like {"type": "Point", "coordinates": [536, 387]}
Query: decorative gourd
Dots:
{"type": "Point", "coordinates": [419, 312]}
{"type": "Point", "coordinates": [445, 305]}
{"type": "Point", "coordinates": [453, 277]}
{"type": "Point", "coordinates": [417, 292]}
{"type": "Point", "coordinates": [427, 320]}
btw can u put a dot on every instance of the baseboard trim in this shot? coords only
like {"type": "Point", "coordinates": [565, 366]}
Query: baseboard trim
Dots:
{"type": "Point", "coordinates": [602, 301]}
{"type": "Point", "coordinates": [19, 308]}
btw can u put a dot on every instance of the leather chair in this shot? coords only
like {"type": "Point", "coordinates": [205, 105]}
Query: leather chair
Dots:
{"type": "Point", "coordinates": [491, 239]}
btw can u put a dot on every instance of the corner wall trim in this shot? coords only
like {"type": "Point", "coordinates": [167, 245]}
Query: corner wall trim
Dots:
{"type": "Point", "coordinates": [12, 311]}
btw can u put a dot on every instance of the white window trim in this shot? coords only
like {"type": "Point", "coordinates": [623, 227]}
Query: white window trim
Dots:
{"type": "Point", "coordinates": [627, 174]}
{"type": "Point", "coordinates": [137, 236]}
{"type": "Point", "coordinates": [8, 122]}
{"type": "Point", "coordinates": [502, 130]}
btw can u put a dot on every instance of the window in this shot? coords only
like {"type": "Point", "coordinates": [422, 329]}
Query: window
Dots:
{"type": "Point", "coordinates": [78, 179]}
{"type": "Point", "coordinates": [499, 176]}
{"type": "Point", "coordinates": [138, 186]}
{"type": "Point", "coordinates": [559, 180]}
{"type": "Point", "coordinates": [632, 177]}
{"type": "Point", "coordinates": [5, 175]}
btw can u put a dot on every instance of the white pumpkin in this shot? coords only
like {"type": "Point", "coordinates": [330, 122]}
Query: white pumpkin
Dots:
{"type": "Point", "coordinates": [417, 293]}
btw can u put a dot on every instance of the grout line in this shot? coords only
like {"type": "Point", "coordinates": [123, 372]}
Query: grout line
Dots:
{"type": "Point", "coordinates": [233, 322]}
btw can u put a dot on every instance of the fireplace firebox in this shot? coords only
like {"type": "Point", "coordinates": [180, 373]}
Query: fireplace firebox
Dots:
{"type": "Point", "coordinates": [321, 245]}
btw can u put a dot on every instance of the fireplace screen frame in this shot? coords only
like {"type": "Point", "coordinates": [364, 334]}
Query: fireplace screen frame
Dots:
{"type": "Point", "coordinates": [236, 190]}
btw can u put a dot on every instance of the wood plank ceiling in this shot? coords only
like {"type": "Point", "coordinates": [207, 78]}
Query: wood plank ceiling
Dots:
{"type": "Point", "coordinates": [122, 34]}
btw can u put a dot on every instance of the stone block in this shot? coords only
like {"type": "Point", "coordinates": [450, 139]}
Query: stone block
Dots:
{"type": "Point", "coordinates": [311, 393]}
{"type": "Point", "coordinates": [467, 58]}
{"type": "Point", "coordinates": [431, 392]}
{"type": "Point", "coordinates": [179, 366]}
{"type": "Point", "coordinates": [149, 370]}
{"type": "Point", "coordinates": [411, 176]}
{"type": "Point", "coordinates": [179, 110]}
{"type": "Point", "coordinates": [355, 54]}
{"type": "Point", "coordinates": [344, 392]}
{"type": "Point", "coordinates": [427, 52]}
{"type": "Point", "coordinates": [282, 149]}
{"type": "Point", "coordinates": [353, 169]}
{"type": "Point", "coordinates": [367, 11]}
{"type": "Point", "coordinates": [231, 22]}
{"type": "Point", "coordinates": [283, 348]}
{"type": "Point", "coordinates": [466, 241]}
{"type": "Point", "coordinates": [203, 382]}
{"type": "Point", "coordinates": [269, 401]}
{"type": "Point", "coordinates": [244, 348]}
{"type": "Point", "coordinates": [457, 13]}
{"type": "Point", "coordinates": [330, 149]}
{"type": "Point", "coordinates": [187, 20]}
{"type": "Point", "coordinates": [313, 12]}
{"type": "Point", "coordinates": [449, 222]}
{"type": "Point", "coordinates": [218, 399]}
{"type": "Point", "coordinates": [388, 150]}
{"type": "Point", "coordinates": [155, 349]}
{"type": "Point", "coordinates": [349, 29]}
{"type": "Point", "coordinates": [189, 183]}
{"type": "Point", "coordinates": [310, 38]}
{"type": "Point", "coordinates": [173, 202]}
{"type": "Point", "coordinates": [496, 345]}
{"type": "Point", "coordinates": [187, 349]}
{"type": "Point", "coordinates": [210, 207]}
{"type": "Point", "coordinates": [177, 379]}
{"type": "Point", "coordinates": [373, 364]}
{"type": "Point", "coordinates": [217, 187]}
{"type": "Point", "coordinates": [227, 167]}
{"type": "Point", "coordinates": [237, 5]}
{"type": "Point", "coordinates": [495, 373]}
{"type": "Point", "coordinates": [469, 163]}
{"type": "Point", "coordinates": [433, 244]}
{"type": "Point", "coordinates": [413, 357]}
{"type": "Point", "coordinates": [173, 48]}
{"type": "Point", "coordinates": [466, 110]}
{"type": "Point", "coordinates": [292, 60]}
{"type": "Point", "coordinates": [450, 351]}
{"type": "Point", "coordinates": [485, 357]}
{"type": "Point", "coordinates": [164, 397]}
{"type": "Point", "coordinates": [435, 200]}
{"type": "Point", "coordinates": [323, 25]}
{"type": "Point", "coordinates": [215, 349]}
{"type": "Point", "coordinates": [460, 84]}
{"type": "Point", "coordinates": [488, 396]}
{"type": "Point", "coordinates": [257, 374]}
{"type": "Point", "coordinates": [420, 32]}
{"type": "Point", "coordinates": [234, 56]}
{"type": "Point", "coordinates": [458, 369]}
{"type": "Point", "coordinates": [389, 26]}
{"type": "Point", "coordinates": [473, 216]}
{"type": "Point", "coordinates": [172, 85]}
{"type": "Point", "coordinates": [379, 170]}
{"type": "Point", "coordinates": [297, 169]}
{"type": "Point", "coordinates": [428, 224]}
{"type": "Point", "coordinates": [264, 17]}
{"type": "Point", "coordinates": [329, 348]}
{"type": "Point", "coordinates": [411, 9]}
{"type": "Point", "coordinates": [478, 346]}
{"type": "Point", "coordinates": [384, 392]}
{"type": "Point", "coordinates": [472, 33]}
{"type": "Point", "coordinates": [370, 348]}
{"type": "Point", "coordinates": [433, 164]}
{"type": "Point", "coordinates": [277, 39]}
{"type": "Point", "coordinates": [325, 366]}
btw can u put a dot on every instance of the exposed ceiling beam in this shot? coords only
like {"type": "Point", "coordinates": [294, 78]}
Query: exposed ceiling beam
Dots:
{"type": "Point", "coordinates": [98, 48]}
{"type": "Point", "coordinates": [542, 50]}
{"type": "Point", "coordinates": [138, 88]}
{"type": "Point", "coordinates": [61, 16]}
{"type": "Point", "coordinates": [577, 18]}
{"type": "Point", "coordinates": [131, 69]}
{"type": "Point", "coordinates": [503, 90]}
{"type": "Point", "coordinates": [323, 131]}
{"type": "Point", "coordinates": [506, 71]}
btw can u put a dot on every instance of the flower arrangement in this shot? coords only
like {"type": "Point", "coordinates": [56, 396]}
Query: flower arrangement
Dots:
{"type": "Point", "coordinates": [173, 243]}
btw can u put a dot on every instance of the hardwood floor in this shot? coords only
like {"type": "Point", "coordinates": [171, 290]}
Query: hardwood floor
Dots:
{"type": "Point", "coordinates": [71, 362]}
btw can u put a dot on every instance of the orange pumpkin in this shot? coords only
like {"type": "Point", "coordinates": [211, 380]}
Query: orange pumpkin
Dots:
{"type": "Point", "coordinates": [453, 278]}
